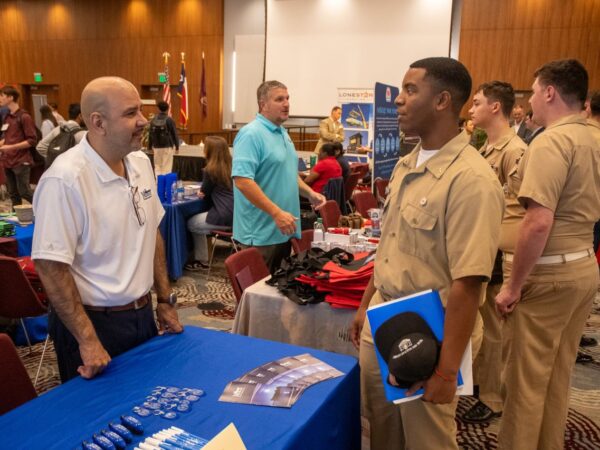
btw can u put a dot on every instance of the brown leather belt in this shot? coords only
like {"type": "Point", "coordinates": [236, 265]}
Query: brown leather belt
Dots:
{"type": "Point", "coordinates": [136, 304]}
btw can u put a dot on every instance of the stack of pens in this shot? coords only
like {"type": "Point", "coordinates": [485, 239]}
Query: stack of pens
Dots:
{"type": "Point", "coordinates": [172, 438]}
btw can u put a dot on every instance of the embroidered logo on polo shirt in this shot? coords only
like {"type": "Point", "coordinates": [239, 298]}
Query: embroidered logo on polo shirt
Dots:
{"type": "Point", "coordinates": [146, 194]}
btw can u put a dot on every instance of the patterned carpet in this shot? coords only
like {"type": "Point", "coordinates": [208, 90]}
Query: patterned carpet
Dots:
{"type": "Point", "coordinates": [208, 301]}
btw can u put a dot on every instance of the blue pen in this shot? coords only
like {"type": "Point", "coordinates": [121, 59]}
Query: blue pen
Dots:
{"type": "Point", "coordinates": [181, 432]}
{"type": "Point", "coordinates": [179, 442]}
{"type": "Point", "coordinates": [145, 446]}
{"type": "Point", "coordinates": [165, 445]}
{"type": "Point", "coordinates": [179, 437]}
{"type": "Point", "coordinates": [196, 441]}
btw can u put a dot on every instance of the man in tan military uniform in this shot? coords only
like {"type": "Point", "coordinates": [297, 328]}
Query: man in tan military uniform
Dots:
{"type": "Point", "coordinates": [552, 277]}
{"type": "Point", "coordinates": [492, 104]}
{"type": "Point", "coordinates": [440, 231]}
{"type": "Point", "coordinates": [330, 129]}
{"type": "Point", "coordinates": [593, 112]}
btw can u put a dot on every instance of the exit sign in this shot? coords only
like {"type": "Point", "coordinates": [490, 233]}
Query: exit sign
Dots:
{"type": "Point", "coordinates": [37, 77]}
{"type": "Point", "coordinates": [162, 78]}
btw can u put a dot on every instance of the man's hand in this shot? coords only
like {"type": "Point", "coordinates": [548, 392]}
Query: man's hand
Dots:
{"type": "Point", "coordinates": [317, 200]}
{"type": "Point", "coordinates": [437, 390]}
{"type": "Point", "coordinates": [285, 222]}
{"type": "Point", "coordinates": [95, 359]}
{"type": "Point", "coordinates": [357, 326]}
{"type": "Point", "coordinates": [168, 320]}
{"type": "Point", "coordinates": [506, 301]}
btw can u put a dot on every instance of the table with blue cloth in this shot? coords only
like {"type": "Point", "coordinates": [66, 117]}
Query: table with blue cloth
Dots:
{"type": "Point", "coordinates": [326, 416]}
{"type": "Point", "coordinates": [173, 228]}
{"type": "Point", "coordinates": [19, 244]}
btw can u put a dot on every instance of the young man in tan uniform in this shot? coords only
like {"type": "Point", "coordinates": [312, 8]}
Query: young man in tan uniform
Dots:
{"type": "Point", "coordinates": [440, 231]}
{"type": "Point", "coordinates": [593, 110]}
{"type": "Point", "coordinates": [551, 279]}
{"type": "Point", "coordinates": [503, 149]}
{"type": "Point", "coordinates": [330, 129]}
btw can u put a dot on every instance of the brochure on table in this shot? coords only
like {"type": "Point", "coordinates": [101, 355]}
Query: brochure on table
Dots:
{"type": "Point", "coordinates": [429, 306]}
{"type": "Point", "coordinates": [279, 383]}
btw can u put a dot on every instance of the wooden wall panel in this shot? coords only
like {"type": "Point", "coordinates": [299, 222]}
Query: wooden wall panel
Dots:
{"type": "Point", "coordinates": [509, 39]}
{"type": "Point", "coordinates": [72, 42]}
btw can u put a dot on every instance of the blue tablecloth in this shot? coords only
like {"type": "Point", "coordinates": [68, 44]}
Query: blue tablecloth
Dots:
{"type": "Point", "coordinates": [325, 417]}
{"type": "Point", "coordinates": [24, 237]}
{"type": "Point", "coordinates": [174, 232]}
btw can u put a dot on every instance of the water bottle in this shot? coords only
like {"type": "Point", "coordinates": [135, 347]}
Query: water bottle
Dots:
{"type": "Point", "coordinates": [375, 215]}
{"type": "Point", "coordinates": [180, 190]}
{"type": "Point", "coordinates": [319, 231]}
{"type": "Point", "coordinates": [174, 192]}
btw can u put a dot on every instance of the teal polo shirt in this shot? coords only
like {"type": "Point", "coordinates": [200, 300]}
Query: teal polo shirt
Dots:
{"type": "Point", "coordinates": [264, 152]}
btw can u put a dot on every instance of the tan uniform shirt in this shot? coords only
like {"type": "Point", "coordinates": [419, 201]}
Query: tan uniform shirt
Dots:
{"type": "Point", "coordinates": [594, 127]}
{"type": "Point", "coordinates": [561, 171]}
{"type": "Point", "coordinates": [441, 222]}
{"type": "Point", "coordinates": [504, 158]}
{"type": "Point", "coordinates": [329, 132]}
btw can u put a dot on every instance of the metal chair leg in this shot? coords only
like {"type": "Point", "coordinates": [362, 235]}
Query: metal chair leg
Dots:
{"type": "Point", "coordinates": [37, 374]}
{"type": "Point", "coordinates": [212, 255]}
{"type": "Point", "coordinates": [26, 335]}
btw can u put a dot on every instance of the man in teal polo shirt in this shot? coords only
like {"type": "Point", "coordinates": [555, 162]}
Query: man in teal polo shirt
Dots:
{"type": "Point", "coordinates": [266, 190]}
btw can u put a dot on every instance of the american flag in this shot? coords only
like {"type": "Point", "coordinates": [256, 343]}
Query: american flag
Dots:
{"type": "Point", "coordinates": [166, 86]}
{"type": "Point", "coordinates": [182, 94]}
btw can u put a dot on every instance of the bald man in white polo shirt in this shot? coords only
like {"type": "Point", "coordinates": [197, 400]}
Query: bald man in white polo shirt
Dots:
{"type": "Point", "coordinates": [96, 244]}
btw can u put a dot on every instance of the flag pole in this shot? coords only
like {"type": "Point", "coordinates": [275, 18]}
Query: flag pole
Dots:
{"type": "Point", "coordinates": [166, 86]}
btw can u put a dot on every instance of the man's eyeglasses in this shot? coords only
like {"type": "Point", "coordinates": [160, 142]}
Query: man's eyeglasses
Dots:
{"type": "Point", "coordinates": [139, 211]}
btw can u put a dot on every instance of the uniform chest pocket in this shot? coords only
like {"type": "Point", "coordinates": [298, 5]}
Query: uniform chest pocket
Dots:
{"type": "Point", "coordinates": [418, 231]}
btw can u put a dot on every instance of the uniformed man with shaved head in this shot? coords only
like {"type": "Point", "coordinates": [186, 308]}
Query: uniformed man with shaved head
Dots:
{"type": "Point", "coordinates": [96, 243]}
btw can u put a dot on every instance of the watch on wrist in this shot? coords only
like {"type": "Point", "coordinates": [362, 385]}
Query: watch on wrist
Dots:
{"type": "Point", "coordinates": [171, 299]}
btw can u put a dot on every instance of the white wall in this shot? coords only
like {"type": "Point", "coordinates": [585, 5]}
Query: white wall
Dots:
{"type": "Point", "coordinates": [246, 19]}
{"type": "Point", "coordinates": [316, 46]}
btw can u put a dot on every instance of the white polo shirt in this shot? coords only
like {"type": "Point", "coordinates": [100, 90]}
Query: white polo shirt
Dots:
{"type": "Point", "coordinates": [85, 217]}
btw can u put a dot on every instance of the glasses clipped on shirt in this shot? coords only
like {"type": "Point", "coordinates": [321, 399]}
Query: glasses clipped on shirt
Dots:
{"type": "Point", "coordinates": [137, 207]}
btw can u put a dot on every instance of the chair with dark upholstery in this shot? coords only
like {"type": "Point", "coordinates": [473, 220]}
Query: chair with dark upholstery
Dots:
{"type": "Point", "coordinates": [363, 201]}
{"type": "Point", "coordinates": [304, 243]}
{"type": "Point", "coordinates": [15, 385]}
{"type": "Point", "coordinates": [381, 189]}
{"type": "Point", "coordinates": [18, 299]}
{"type": "Point", "coordinates": [245, 268]}
{"type": "Point", "coordinates": [330, 213]}
{"type": "Point", "coordinates": [216, 236]}
{"type": "Point", "coordinates": [335, 190]}
{"type": "Point", "coordinates": [349, 186]}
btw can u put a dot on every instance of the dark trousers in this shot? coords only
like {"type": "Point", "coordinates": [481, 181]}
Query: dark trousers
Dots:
{"type": "Point", "coordinates": [273, 254]}
{"type": "Point", "coordinates": [118, 332]}
{"type": "Point", "coordinates": [17, 183]}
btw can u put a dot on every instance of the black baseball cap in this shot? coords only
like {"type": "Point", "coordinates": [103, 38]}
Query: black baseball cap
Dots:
{"type": "Point", "coordinates": [409, 347]}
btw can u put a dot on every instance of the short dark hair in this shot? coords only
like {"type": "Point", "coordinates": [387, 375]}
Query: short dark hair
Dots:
{"type": "Point", "coordinates": [339, 147]}
{"type": "Point", "coordinates": [335, 108]}
{"type": "Point", "coordinates": [329, 149]}
{"type": "Point", "coordinates": [162, 106]}
{"type": "Point", "coordinates": [74, 110]}
{"type": "Point", "coordinates": [595, 103]}
{"type": "Point", "coordinates": [448, 75]}
{"type": "Point", "coordinates": [10, 91]}
{"type": "Point", "coordinates": [569, 78]}
{"type": "Point", "coordinates": [263, 90]}
{"type": "Point", "coordinates": [499, 91]}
